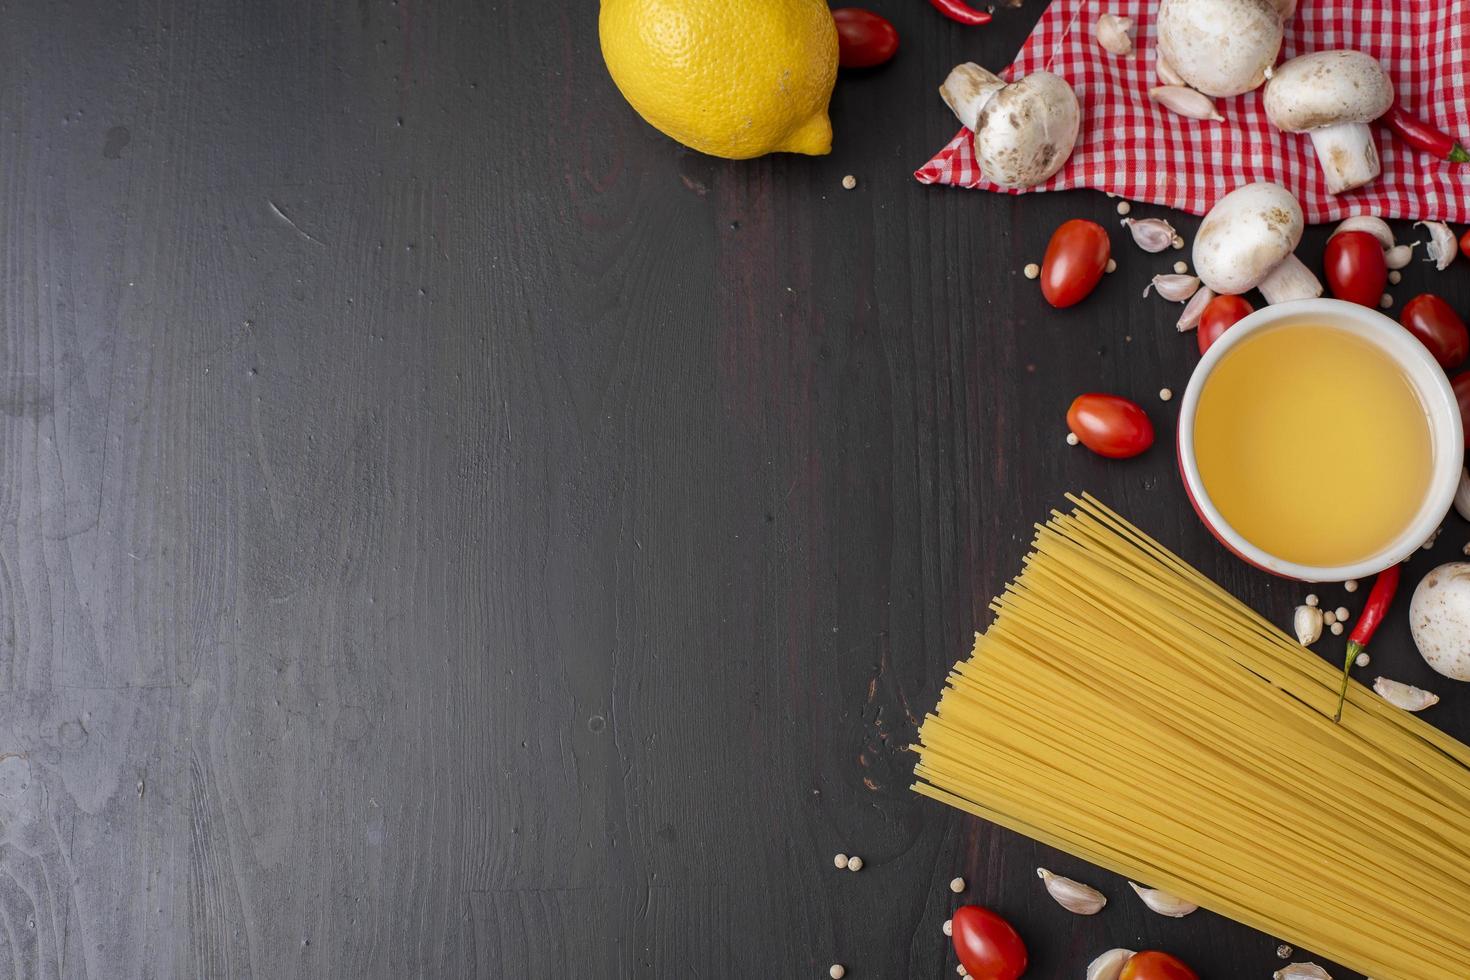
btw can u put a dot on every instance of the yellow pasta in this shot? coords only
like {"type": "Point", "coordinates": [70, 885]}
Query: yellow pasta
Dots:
{"type": "Point", "coordinates": [1125, 708]}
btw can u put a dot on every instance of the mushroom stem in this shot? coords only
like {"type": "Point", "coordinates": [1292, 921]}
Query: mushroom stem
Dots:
{"type": "Point", "coordinates": [1288, 281]}
{"type": "Point", "coordinates": [967, 90]}
{"type": "Point", "coordinates": [1348, 155]}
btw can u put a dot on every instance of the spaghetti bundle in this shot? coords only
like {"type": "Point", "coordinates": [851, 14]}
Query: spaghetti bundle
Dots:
{"type": "Point", "coordinates": [1125, 708]}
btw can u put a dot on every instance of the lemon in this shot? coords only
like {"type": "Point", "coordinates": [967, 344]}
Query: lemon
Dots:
{"type": "Point", "coordinates": [732, 78]}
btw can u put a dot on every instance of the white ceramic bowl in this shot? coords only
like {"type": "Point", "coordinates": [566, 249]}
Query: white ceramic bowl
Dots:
{"type": "Point", "coordinates": [1423, 372]}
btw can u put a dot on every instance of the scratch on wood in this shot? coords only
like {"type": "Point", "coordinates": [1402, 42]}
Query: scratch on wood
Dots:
{"type": "Point", "coordinates": [294, 226]}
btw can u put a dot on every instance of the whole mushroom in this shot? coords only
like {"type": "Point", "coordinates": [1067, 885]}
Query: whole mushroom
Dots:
{"type": "Point", "coordinates": [1439, 618]}
{"type": "Point", "coordinates": [1024, 130]}
{"type": "Point", "coordinates": [1333, 96]}
{"type": "Point", "coordinates": [1247, 241]}
{"type": "Point", "coordinates": [1220, 47]}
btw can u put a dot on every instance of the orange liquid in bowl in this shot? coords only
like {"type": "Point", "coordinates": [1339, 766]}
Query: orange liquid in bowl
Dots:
{"type": "Point", "coordinates": [1313, 444]}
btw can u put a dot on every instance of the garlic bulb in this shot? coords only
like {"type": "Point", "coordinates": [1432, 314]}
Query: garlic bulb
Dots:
{"type": "Point", "coordinates": [1405, 696]}
{"type": "Point", "coordinates": [1151, 234]}
{"type": "Point", "coordinates": [1307, 623]}
{"type": "Point", "coordinates": [1174, 288]}
{"type": "Point", "coordinates": [1462, 495]}
{"type": "Point", "coordinates": [1376, 227]}
{"type": "Point", "coordinates": [1443, 246]}
{"type": "Point", "coordinates": [1301, 971]}
{"type": "Point", "coordinates": [1114, 33]}
{"type": "Point", "coordinates": [1186, 102]}
{"type": "Point", "coordinates": [1194, 309]}
{"type": "Point", "coordinates": [1072, 895]}
{"type": "Point", "coordinates": [1109, 966]}
{"type": "Point", "coordinates": [1164, 903]}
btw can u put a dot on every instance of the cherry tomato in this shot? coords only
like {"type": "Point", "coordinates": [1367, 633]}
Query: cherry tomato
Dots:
{"type": "Point", "coordinates": [1438, 327]}
{"type": "Point", "coordinates": [1075, 260]}
{"type": "Point", "coordinates": [1110, 426]}
{"type": "Point", "coordinates": [1461, 384]}
{"type": "Point", "coordinates": [1355, 268]}
{"type": "Point", "coordinates": [863, 38]}
{"type": "Point", "coordinates": [1465, 244]}
{"type": "Point", "coordinates": [1153, 965]}
{"type": "Point", "coordinates": [1220, 314]}
{"type": "Point", "coordinates": [987, 946]}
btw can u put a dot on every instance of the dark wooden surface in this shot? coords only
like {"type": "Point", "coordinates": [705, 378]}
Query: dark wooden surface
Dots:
{"type": "Point", "coordinates": [449, 530]}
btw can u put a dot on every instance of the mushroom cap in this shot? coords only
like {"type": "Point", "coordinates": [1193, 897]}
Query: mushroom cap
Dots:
{"type": "Point", "coordinates": [1327, 88]}
{"type": "Point", "coordinates": [1439, 618]}
{"type": "Point", "coordinates": [1220, 47]}
{"type": "Point", "coordinates": [1246, 235]}
{"type": "Point", "coordinates": [1027, 130]}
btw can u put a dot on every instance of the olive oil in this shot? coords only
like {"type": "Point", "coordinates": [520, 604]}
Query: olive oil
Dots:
{"type": "Point", "coordinates": [1313, 444]}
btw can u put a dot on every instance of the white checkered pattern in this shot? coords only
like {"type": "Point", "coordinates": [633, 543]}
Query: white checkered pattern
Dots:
{"type": "Point", "coordinates": [1143, 152]}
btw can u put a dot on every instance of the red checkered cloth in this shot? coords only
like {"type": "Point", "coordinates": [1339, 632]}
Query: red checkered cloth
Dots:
{"type": "Point", "coordinates": [1139, 150]}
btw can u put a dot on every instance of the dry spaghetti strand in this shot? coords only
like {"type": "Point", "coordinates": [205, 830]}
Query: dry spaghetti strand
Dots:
{"type": "Point", "coordinates": [1127, 709]}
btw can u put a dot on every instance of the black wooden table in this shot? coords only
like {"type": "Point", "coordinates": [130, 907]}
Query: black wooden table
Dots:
{"type": "Point", "coordinates": [449, 530]}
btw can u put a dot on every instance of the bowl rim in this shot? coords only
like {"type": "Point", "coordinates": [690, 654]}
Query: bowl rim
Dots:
{"type": "Point", "coordinates": [1430, 382]}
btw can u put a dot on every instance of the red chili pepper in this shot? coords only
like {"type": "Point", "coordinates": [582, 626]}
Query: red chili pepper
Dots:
{"type": "Point", "coordinates": [1384, 588]}
{"type": "Point", "coordinates": [1422, 136]}
{"type": "Point", "coordinates": [961, 11]}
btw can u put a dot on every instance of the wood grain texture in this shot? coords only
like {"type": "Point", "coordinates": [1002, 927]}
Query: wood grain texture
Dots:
{"type": "Point", "coordinates": [448, 530]}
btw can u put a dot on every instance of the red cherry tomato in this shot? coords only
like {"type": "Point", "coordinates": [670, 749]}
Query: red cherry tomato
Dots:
{"type": "Point", "coordinates": [1461, 384]}
{"type": "Point", "coordinates": [1220, 314]}
{"type": "Point", "coordinates": [1438, 327]}
{"type": "Point", "coordinates": [1075, 260]}
{"type": "Point", "coordinates": [1355, 268]}
{"type": "Point", "coordinates": [1110, 426]}
{"type": "Point", "coordinates": [1465, 244]}
{"type": "Point", "coordinates": [863, 38]}
{"type": "Point", "coordinates": [987, 946]}
{"type": "Point", "coordinates": [1153, 965]}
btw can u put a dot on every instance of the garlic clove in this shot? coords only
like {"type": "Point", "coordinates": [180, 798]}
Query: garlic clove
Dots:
{"type": "Point", "coordinates": [1301, 971]}
{"type": "Point", "coordinates": [1186, 102]}
{"type": "Point", "coordinates": [1174, 288]}
{"type": "Point", "coordinates": [1194, 309]}
{"type": "Point", "coordinates": [1151, 234]}
{"type": "Point", "coordinates": [1399, 256]}
{"type": "Point", "coordinates": [1166, 73]}
{"type": "Point", "coordinates": [1114, 33]}
{"type": "Point", "coordinates": [1405, 696]}
{"type": "Point", "coordinates": [1163, 903]}
{"type": "Point", "coordinates": [1307, 623]}
{"type": "Point", "coordinates": [1443, 246]}
{"type": "Point", "coordinates": [1376, 227]}
{"type": "Point", "coordinates": [1109, 966]}
{"type": "Point", "coordinates": [1462, 495]}
{"type": "Point", "coordinates": [1072, 895]}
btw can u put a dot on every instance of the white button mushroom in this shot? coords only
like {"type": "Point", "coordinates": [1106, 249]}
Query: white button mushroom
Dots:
{"type": "Point", "coordinates": [1024, 130]}
{"type": "Point", "coordinates": [1439, 618]}
{"type": "Point", "coordinates": [1333, 96]}
{"type": "Point", "coordinates": [1219, 47]}
{"type": "Point", "coordinates": [1246, 241]}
